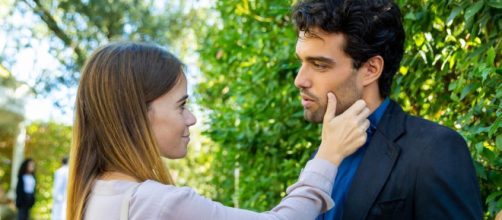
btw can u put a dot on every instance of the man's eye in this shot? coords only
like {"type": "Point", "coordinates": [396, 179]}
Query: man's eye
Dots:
{"type": "Point", "coordinates": [319, 66]}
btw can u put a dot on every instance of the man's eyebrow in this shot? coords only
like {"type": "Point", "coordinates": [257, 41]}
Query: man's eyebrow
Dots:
{"type": "Point", "coordinates": [182, 99]}
{"type": "Point", "coordinates": [321, 59]}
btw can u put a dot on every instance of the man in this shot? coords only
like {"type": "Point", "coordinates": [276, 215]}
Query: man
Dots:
{"type": "Point", "coordinates": [59, 191]}
{"type": "Point", "coordinates": [409, 168]}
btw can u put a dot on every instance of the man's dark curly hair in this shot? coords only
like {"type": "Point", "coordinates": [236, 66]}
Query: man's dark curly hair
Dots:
{"type": "Point", "coordinates": [370, 27]}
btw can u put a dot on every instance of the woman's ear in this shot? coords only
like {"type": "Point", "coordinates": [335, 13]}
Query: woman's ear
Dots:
{"type": "Point", "coordinates": [374, 68]}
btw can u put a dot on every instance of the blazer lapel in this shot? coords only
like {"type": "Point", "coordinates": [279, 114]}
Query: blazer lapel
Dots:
{"type": "Point", "coordinates": [376, 164]}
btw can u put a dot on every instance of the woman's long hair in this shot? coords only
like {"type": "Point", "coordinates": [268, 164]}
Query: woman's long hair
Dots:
{"type": "Point", "coordinates": [23, 169]}
{"type": "Point", "coordinates": [111, 131]}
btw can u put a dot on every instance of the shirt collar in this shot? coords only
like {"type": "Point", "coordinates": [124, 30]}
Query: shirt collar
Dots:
{"type": "Point", "coordinates": [378, 113]}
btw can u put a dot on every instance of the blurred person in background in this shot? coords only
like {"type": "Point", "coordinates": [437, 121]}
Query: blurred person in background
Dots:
{"type": "Point", "coordinates": [59, 191]}
{"type": "Point", "coordinates": [25, 189]}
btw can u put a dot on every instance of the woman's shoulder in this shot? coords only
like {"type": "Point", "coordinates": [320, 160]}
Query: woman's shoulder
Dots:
{"type": "Point", "coordinates": [151, 187]}
{"type": "Point", "coordinates": [153, 199]}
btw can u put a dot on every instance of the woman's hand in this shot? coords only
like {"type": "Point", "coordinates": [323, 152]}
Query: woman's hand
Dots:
{"type": "Point", "coordinates": [342, 135]}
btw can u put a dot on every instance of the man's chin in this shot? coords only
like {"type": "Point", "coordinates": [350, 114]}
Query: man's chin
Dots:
{"type": "Point", "coordinates": [311, 117]}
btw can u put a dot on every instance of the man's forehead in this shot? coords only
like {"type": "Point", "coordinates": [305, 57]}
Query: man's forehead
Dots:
{"type": "Point", "coordinates": [323, 37]}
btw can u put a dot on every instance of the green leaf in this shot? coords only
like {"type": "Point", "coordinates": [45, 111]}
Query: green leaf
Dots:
{"type": "Point", "coordinates": [498, 142]}
{"type": "Point", "coordinates": [479, 147]}
{"type": "Point", "coordinates": [495, 4]}
{"type": "Point", "coordinates": [495, 126]}
{"type": "Point", "coordinates": [454, 97]}
{"type": "Point", "coordinates": [452, 86]}
{"type": "Point", "coordinates": [490, 56]}
{"type": "Point", "coordinates": [480, 170]}
{"type": "Point", "coordinates": [453, 14]}
{"type": "Point", "coordinates": [410, 16]}
{"type": "Point", "coordinates": [472, 10]}
{"type": "Point", "coordinates": [493, 196]}
{"type": "Point", "coordinates": [466, 90]}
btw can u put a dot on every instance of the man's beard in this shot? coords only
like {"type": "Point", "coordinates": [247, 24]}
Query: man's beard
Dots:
{"type": "Point", "coordinates": [346, 95]}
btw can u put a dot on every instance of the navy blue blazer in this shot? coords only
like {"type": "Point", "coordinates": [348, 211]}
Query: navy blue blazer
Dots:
{"type": "Point", "coordinates": [414, 169]}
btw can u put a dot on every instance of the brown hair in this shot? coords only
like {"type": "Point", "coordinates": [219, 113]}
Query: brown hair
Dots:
{"type": "Point", "coordinates": [111, 130]}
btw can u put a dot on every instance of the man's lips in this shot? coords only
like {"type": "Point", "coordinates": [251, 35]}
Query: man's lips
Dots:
{"type": "Point", "coordinates": [307, 101]}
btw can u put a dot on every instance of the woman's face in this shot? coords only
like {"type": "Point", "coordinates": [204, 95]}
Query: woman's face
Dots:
{"type": "Point", "coordinates": [31, 167]}
{"type": "Point", "coordinates": [170, 120]}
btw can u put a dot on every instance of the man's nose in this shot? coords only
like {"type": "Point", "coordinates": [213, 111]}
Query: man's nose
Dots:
{"type": "Point", "coordinates": [302, 81]}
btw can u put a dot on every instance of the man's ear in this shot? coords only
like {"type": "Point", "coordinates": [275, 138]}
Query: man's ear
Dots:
{"type": "Point", "coordinates": [374, 68]}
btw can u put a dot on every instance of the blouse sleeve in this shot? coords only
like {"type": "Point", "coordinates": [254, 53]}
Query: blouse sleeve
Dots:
{"type": "Point", "coordinates": [305, 199]}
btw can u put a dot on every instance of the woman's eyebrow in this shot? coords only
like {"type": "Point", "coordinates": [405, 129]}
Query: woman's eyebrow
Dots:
{"type": "Point", "coordinates": [182, 99]}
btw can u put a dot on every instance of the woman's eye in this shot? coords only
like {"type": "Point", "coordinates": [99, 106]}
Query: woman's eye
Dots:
{"type": "Point", "coordinates": [183, 106]}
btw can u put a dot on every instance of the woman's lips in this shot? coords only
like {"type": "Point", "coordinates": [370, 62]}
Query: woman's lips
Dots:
{"type": "Point", "coordinates": [186, 137]}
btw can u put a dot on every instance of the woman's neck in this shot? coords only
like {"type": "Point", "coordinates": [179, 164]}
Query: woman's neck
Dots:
{"type": "Point", "coordinates": [114, 175]}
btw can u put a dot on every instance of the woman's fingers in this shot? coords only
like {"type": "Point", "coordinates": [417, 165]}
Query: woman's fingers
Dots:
{"type": "Point", "coordinates": [330, 108]}
{"type": "Point", "coordinates": [356, 108]}
{"type": "Point", "coordinates": [365, 125]}
{"type": "Point", "coordinates": [364, 114]}
{"type": "Point", "coordinates": [343, 134]}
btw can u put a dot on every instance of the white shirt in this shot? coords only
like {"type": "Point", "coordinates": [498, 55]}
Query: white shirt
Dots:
{"type": "Point", "coordinates": [59, 193]}
{"type": "Point", "coordinates": [29, 183]}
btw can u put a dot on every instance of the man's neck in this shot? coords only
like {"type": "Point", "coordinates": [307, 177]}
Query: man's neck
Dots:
{"type": "Point", "coordinates": [372, 99]}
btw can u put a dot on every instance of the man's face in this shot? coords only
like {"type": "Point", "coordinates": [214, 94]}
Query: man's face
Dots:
{"type": "Point", "coordinates": [325, 68]}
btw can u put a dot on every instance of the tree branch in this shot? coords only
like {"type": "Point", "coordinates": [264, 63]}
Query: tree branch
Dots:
{"type": "Point", "coordinates": [52, 24]}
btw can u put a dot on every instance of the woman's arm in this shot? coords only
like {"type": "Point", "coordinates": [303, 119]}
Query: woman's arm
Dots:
{"type": "Point", "coordinates": [305, 200]}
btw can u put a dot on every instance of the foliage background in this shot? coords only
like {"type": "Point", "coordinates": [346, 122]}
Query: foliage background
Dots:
{"type": "Point", "coordinates": [253, 141]}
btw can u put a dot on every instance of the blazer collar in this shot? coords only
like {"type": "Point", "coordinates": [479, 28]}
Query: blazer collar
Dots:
{"type": "Point", "coordinates": [376, 165]}
{"type": "Point", "coordinates": [392, 124]}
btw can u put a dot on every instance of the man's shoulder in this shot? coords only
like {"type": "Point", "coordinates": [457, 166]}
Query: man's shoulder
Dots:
{"type": "Point", "coordinates": [424, 133]}
{"type": "Point", "coordinates": [418, 131]}
{"type": "Point", "coordinates": [416, 123]}
{"type": "Point", "coordinates": [419, 126]}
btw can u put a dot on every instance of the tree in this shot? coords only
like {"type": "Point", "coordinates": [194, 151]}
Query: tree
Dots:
{"type": "Point", "coordinates": [10, 117]}
{"type": "Point", "coordinates": [75, 28]}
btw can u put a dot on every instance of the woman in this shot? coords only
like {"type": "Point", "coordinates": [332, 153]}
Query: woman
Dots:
{"type": "Point", "coordinates": [25, 189]}
{"type": "Point", "coordinates": [130, 112]}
